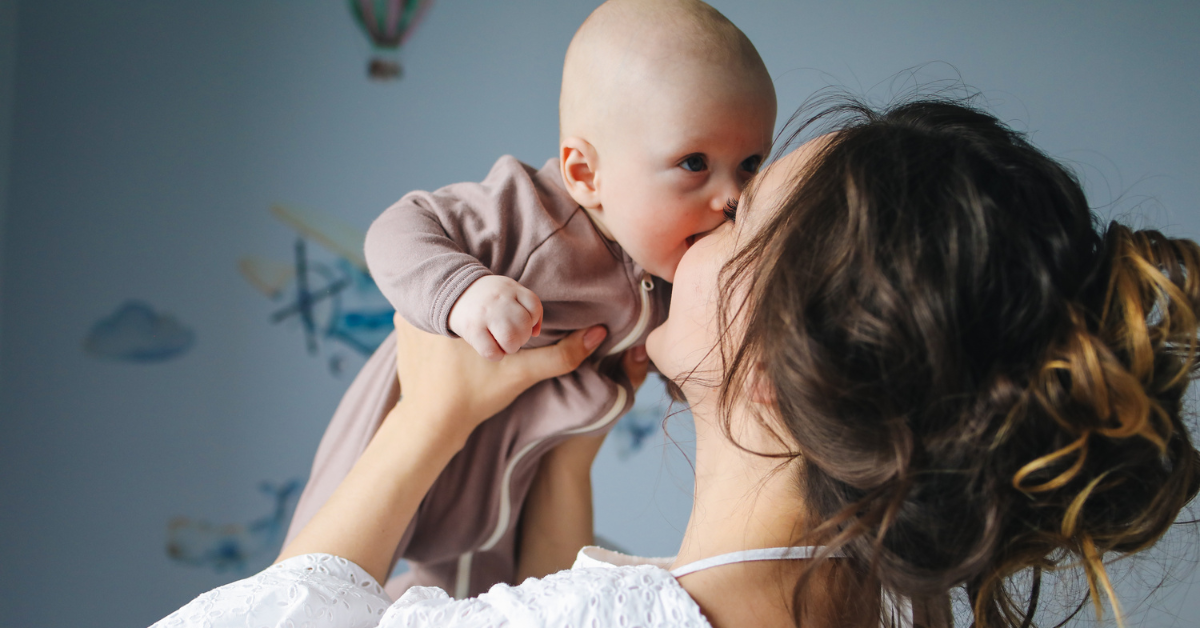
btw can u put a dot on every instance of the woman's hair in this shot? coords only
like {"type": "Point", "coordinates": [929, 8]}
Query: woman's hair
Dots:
{"type": "Point", "coordinates": [978, 379]}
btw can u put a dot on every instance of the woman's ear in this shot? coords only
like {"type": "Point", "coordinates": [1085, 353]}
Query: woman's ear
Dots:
{"type": "Point", "coordinates": [578, 161]}
{"type": "Point", "coordinates": [758, 387]}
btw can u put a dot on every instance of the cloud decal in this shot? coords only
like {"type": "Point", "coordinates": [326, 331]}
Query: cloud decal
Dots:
{"type": "Point", "coordinates": [235, 546]}
{"type": "Point", "coordinates": [136, 333]}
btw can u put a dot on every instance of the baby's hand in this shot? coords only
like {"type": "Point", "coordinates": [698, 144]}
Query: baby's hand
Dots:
{"type": "Point", "coordinates": [496, 315]}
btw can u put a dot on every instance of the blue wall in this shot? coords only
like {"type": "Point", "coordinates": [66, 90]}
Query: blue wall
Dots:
{"type": "Point", "coordinates": [150, 138]}
{"type": "Point", "coordinates": [8, 59]}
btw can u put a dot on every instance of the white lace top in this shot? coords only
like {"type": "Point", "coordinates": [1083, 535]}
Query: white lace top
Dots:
{"type": "Point", "coordinates": [603, 588]}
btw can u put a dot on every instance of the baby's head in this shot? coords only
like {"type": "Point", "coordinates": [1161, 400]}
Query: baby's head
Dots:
{"type": "Point", "coordinates": [666, 111]}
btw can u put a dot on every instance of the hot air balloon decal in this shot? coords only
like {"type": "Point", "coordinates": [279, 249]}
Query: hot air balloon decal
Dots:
{"type": "Point", "coordinates": [389, 24]}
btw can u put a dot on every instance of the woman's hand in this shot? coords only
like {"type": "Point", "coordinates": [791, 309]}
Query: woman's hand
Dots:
{"type": "Point", "coordinates": [448, 389]}
{"type": "Point", "coordinates": [444, 378]}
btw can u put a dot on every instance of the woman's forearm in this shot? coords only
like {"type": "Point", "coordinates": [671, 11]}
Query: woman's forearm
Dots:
{"type": "Point", "coordinates": [556, 520]}
{"type": "Point", "coordinates": [447, 391]}
{"type": "Point", "coordinates": [367, 515]}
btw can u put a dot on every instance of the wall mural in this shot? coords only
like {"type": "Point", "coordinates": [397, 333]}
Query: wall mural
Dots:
{"type": "Point", "coordinates": [135, 332]}
{"type": "Point", "coordinates": [234, 547]}
{"type": "Point", "coordinates": [326, 292]}
{"type": "Point", "coordinates": [650, 411]}
{"type": "Point", "coordinates": [634, 428]}
{"type": "Point", "coordinates": [388, 24]}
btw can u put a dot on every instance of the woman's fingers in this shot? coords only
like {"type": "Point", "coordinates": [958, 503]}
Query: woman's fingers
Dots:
{"type": "Point", "coordinates": [535, 365]}
{"type": "Point", "coordinates": [637, 365]}
{"type": "Point", "coordinates": [439, 372]}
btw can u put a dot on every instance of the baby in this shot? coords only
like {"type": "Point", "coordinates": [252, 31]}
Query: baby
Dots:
{"type": "Point", "coordinates": [666, 112]}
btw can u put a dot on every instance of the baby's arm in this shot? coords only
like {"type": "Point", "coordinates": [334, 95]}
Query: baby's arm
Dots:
{"type": "Point", "coordinates": [429, 252]}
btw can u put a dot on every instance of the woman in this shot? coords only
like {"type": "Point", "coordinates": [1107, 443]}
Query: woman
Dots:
{"type": "Point", "coordinates": [913, 364]}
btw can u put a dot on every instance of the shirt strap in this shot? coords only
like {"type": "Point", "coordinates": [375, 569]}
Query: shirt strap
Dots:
{"type": "Point", "coordinates": [745, 556]}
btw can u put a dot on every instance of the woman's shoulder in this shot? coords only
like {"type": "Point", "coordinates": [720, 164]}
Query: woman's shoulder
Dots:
{"type": "Point", "coordinates": [333, 589]}
{"type": "Point", "coordinates": [603, 588]}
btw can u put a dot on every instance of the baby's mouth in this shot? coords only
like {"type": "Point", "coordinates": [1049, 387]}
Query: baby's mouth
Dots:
{"type": "Point", "coordinates": [695, 237]}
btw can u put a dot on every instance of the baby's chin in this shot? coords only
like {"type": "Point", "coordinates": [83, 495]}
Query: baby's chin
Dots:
{"type": "Point", "coordinates": [666, 272]}
{"type": "Point", "coordinates": [660, 264]}
{"type": "Point", "coordinates": [665, 268]}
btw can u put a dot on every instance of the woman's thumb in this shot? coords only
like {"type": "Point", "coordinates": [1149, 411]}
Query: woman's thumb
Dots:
{"type": "Point", "coordinates": [562, 357]}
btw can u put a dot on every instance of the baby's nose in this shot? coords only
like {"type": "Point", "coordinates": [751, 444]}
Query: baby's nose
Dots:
{"type": "Point", "coordinates": [725, 192]}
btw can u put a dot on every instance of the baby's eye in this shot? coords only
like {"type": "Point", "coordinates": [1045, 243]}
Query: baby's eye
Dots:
{"type": "Point", "coordinates": [694, 163]}
{"type": "Point", "coordinates": [751, 164]}
{"type": "Point", "coordinates": [730, 210]}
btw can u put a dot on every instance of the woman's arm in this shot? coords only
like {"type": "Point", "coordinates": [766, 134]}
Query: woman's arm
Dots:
{"type": "Point", "coordinates": [448, 389]}
{"type": "Point", "coordinates": [557, 517]}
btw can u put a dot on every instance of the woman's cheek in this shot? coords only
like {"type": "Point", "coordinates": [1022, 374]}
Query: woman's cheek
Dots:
{"type": "Point", "coordinates": [689, 334]}
{"type": "Point", "coordinates": [670, 344]}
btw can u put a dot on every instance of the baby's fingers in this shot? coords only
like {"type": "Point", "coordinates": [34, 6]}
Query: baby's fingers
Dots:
{"type": "Point", "coordinates": [532, 305]}
{"type": "Point", "coordinates": [482, 341]}
{"type": "Point", "coordinates": [511, 332]}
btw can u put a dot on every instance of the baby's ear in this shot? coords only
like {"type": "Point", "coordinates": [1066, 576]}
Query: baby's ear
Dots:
{"type": "Point", "coordinates": [578, 160]}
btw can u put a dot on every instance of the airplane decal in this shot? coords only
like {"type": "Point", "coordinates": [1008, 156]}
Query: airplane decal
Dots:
{"type": "Point", "coordinates": [327, 293]}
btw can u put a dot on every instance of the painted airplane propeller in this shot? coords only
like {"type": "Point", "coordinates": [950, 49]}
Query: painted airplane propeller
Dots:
{"type": "Point", "coordinates": [388, 24]}
{"type": "Point", "coordinates": [332, 301]}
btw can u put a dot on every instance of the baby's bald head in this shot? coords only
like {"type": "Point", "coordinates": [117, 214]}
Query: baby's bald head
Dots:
{"type": "Point", "coordinates": [666, 112]}
{"type": "Point", "coordinates": [631, 52]}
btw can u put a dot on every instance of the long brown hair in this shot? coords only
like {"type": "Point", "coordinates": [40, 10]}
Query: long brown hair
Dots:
{"type": "Point", "coordinates": [979, 379]}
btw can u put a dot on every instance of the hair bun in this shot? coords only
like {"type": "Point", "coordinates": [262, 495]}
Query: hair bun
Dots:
{"type": "Point", "coordinates": [1113, 388]}
{"type": "Point", "coordinates": [978, 381]}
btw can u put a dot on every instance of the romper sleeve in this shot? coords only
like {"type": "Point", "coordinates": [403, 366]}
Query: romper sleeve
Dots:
{"type": "Point", "coordinates": [425, 250]}
{"type": "Point", "coordinates": [316, 590]}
